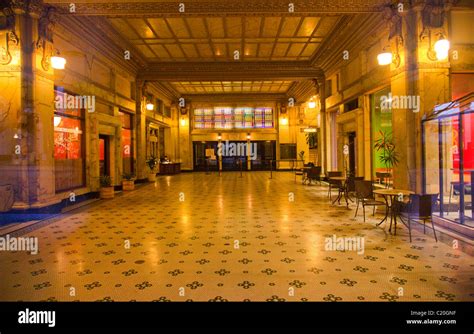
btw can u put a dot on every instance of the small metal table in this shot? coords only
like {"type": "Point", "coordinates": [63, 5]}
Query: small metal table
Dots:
{"type": "Point", "coordinates": [342, 180]}
{"type": "Point", "coordinates": [391, 194]}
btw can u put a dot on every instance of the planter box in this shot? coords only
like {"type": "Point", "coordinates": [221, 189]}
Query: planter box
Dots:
{"type": "Point", "coordinates": [128, 185]}
{"type": "Point", "coordinates": [152, 177]}
{"type": "Point", "coordinates": [107, 192]}
{"type": "Point", "coordinates": [6, 197]}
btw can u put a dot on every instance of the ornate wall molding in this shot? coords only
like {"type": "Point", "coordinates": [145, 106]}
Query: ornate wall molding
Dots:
{"type": "Point", "coordinates": [46, 25]}
{"type": "Point", "coordinates": [222, 7]}
{"type": "Point", "coordinates": [7, 26]}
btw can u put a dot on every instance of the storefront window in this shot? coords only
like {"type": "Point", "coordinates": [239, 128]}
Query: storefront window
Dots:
{"type": "Point", "coordinates": [448, 155]}
{"type": "Point", "coordinates": [127, 147]}
{"type": "Point", "coordinates": [381, 125]}
{"type": "Point", "coordinates": [68, 147]}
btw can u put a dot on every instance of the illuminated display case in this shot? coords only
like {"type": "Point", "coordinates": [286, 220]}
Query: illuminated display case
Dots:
{"type": "Point", "coordinates": [233, 118]}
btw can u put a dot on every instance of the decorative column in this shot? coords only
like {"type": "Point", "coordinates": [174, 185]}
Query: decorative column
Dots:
{"type": "Point", "coordinates": [319, 84]}
{"type": "Point", "coordinates": [141, 129]}
{"type": "Point", "coordinates": [418, 78]}
{"type": "Point", "coordinates": [30, 25]}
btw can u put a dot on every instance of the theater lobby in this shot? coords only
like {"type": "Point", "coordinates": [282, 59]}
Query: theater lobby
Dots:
{"type": "Point", "coordinates": [237, 150]}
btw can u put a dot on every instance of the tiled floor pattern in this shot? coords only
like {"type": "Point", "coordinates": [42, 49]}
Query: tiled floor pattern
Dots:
{"type": "Point", "coordinates": [183, 231]}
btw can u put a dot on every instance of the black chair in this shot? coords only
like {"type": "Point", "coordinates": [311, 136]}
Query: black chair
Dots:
{"type": "Point", "coordinates": [351, 183]}
{"type": "Point", "coordinates": [333, 183]}
{"type": "Point", "coordinates": [365, 195]}
{"type": "Point", "coordinates": [420, 209]}
{"type": "Point", "coordinates": [314, 174]}
{"type": "Point", "coordinates": [383, 177]}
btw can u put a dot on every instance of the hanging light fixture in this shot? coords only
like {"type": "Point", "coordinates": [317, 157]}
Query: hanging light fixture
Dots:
{"type": "Point", "coordinates": [248, 135]}
{"type": "Point", "coordinates": [58, 62]}
{"type": "Point", "coordinates": [384, 58]}
{"type": "Point", "coordinates": [441, 48]}
{"type": "Point", "coordinates": [284, 120]}
{"type": "Point", "coordinates": [183, 121]}
{"type": "Point", "coordinates": [312, 103]}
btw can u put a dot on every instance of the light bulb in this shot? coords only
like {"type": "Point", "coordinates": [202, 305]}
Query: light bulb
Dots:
{"type": "Point", "coordinates": [150, 106]}
{"type": "Point", "coordinates": [311, 104]}
{"type": "Point", "coordinates": [384, 58]}
{"type": "Point", "coordinates": [58, 63]}
{"type": "Point", "coordinates": [441, 48]}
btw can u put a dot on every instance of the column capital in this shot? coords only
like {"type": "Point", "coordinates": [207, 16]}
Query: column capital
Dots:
{"type": "Point", "coordinates": [33, 8]}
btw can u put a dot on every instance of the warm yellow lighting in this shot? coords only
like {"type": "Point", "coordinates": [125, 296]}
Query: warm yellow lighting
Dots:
{"type": "Point", "coordinates": [150, 106]}
{"type": "Point", "coordinates": [384, 58]}
{"type": "Point", "coordinates": [248, 136]}
{"type": "Point", "coordinates": [310, 130]}
{"type": "Point", "coordinates": [219, 137]}
{"type": "Point", "coordinates": [57, 121]}
{"type": "Point", "coordinates": [183, 122]}
{"type": "Point", "coordinates": [58, 63]}
{"type": "Point", "coordinates": [284, 121]}
{"type": "Point", "coordinates": [441, 48]}
{"type": "Point", "coordinates": [311, 104]}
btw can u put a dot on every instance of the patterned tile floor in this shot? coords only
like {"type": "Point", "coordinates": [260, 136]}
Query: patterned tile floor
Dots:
{"type": "Point", "coordinates": [183, 233]}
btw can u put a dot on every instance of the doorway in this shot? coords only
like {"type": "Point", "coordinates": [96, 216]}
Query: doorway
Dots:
{"type": "Point", "coordinates": [352, 153]}
{"type": "Point", "coordinates": [104, 155]}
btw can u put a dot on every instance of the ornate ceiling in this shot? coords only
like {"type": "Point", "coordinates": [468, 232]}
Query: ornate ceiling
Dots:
{"type": "Point", "coordinates": [226, 38]}
{"type": "Point", "coordinates": [213, 87]}
{"type": "Point", "coordinates": [225, 46]}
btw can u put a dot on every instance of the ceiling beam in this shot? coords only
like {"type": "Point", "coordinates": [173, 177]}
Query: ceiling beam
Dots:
{"type": "Point", "coordinates": [167, 8]}
{"type": "Point", "coordinates": [229, 71]}
{"type": "Point", "coordinates": [234, 97]}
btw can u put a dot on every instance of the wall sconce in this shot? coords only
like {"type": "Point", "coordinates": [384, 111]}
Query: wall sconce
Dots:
{"type": "Point", "coordinates": [441, 49]}
{"type": "Point", "coordinates": [248, 136]}
{"type": "Point", "coordinates": [284, 120]}
{"type": "Point", "coordinates": [311, 104]}
{"type": "Point", "coordinates": [150, 106]}
{"type": "Point", "coordinates": [219, 136]}
{"type": "Point", "coordinates": [183, 121]}
{"type": "Point", "coordinates": [384, 58]}
{"type": "Point", "coordinates": [58, 62]}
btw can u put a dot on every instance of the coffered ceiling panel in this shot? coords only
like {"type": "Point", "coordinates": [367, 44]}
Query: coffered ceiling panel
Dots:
{"type": "Point", "coordinates": [220, 38]}
{"type": "Point", "coordinates": [217, 87]}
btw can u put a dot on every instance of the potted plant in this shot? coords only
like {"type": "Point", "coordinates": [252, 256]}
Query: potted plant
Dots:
{"type": "Point", "coordinates": [106, 187]}
{"type": "Point", "coordinates": [128, 182]}
{"type": "Point", "coordinates": [312, 140]}
{"type": "Point", "coordinates": [385, 145]}
{"type": "Point", "coordinates": [152, 162]}
{"type": "Point", "coordinates": [301, 156]}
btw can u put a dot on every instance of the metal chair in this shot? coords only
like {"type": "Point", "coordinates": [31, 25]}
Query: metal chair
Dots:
{"type": "Point", "coordinates": [332, 183]}
{"type": "Point", "coordinates": [383, 177]}
{"type": "Point", "coordinates": [420, 209]}
{"type": "Point", "coordinates": [314, 174]}
{"type": "Point", "coordinates": [365, 195]}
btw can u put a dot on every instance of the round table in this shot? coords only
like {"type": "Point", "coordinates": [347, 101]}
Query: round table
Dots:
{"type": "Point", "coordinates": [392, 193]}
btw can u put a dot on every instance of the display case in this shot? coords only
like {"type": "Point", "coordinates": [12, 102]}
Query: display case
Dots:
{"type": "Point", "coordinates": [448, 159]}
